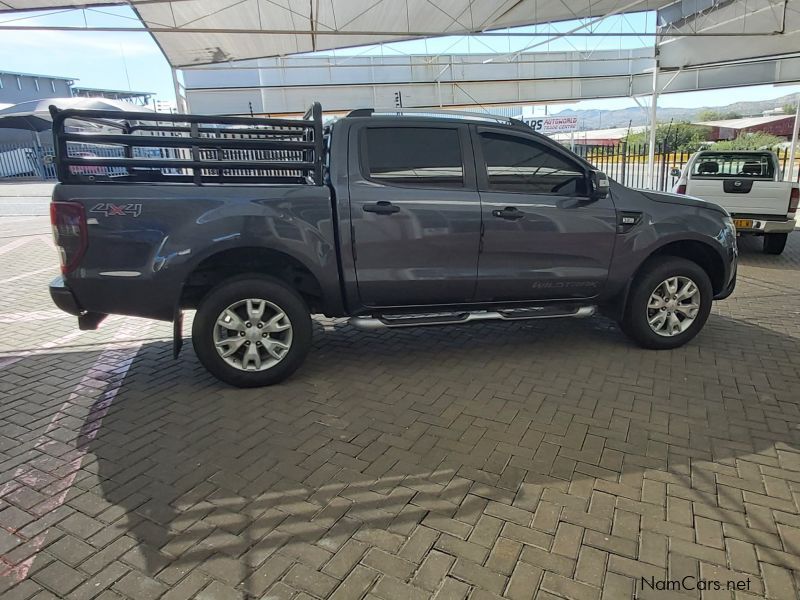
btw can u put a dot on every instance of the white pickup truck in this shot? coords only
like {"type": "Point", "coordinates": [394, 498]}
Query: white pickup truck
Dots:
{"type": "Point", "coordinates": [748, 185]}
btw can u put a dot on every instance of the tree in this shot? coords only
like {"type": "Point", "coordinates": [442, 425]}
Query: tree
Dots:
{"type": "Point", "coordinates": [717, 115]}
{"type": "Point", "coordinates": [749, 141]}
{"type": "Point", "coordinates": [789, 109]}
{"type": "Point", "coordinates": [682, 137]}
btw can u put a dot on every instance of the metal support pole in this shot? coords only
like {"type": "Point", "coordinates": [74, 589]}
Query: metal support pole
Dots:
{"type": "Point", "coordinates": [40, 166]}
{"type": "Point", "coordinates": [651, 150]}
{"type": "Point", "coordinates": [788, 174]}
{"type": "Point", "coordinates": [180, 101]}
{"type": "Point", "coordinates": [623, 176]}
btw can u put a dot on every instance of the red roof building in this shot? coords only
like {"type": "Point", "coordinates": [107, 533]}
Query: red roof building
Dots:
{"type": "Point", "coordinates": [728, 129]}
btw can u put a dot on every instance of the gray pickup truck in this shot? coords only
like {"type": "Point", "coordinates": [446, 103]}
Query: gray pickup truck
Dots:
{"type": "Point", "coordinates": [391, 219]}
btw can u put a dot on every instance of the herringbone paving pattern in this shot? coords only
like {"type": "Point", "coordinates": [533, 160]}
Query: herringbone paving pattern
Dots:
{"type": "Point", "coordinates": [542, 460]}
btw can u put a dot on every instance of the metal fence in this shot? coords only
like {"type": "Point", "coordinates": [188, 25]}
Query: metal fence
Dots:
{"type": "Point", "coordinates": [20, 161]}
{"type": "Point", "coordinates": [27, 162]}
{"type": "Point", "coordinates": [625, 163]}
{"type": "Point", "coordinates": [34, 163]}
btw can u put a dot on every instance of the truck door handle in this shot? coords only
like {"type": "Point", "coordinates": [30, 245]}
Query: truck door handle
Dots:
{"type": "Point", "coordinates": [381, 207]}
{"type": "Point", "coordinates": [510, 213]}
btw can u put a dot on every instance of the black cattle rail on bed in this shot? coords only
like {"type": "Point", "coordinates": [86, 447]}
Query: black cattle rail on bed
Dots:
{"type": "Point", "coordinates": [129, 147]}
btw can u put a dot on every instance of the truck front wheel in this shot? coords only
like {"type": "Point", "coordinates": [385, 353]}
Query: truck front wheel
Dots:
{"type": "Point", "coordinates": [669, 303]}
{"type": "Point", "coordinates": [774, 243]}
{"type": "Point", "coordinates": [252, 331]}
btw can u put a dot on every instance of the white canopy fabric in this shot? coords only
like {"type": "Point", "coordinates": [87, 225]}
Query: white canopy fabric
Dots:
{"type": "Point", "coordinates": [213, 31]}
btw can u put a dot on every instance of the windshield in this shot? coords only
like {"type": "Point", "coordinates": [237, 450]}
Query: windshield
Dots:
{"type": "Point", "coordinates": [734, 164]}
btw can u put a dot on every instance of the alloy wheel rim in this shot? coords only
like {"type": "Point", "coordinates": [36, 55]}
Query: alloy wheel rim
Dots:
{"type": "Point", "coordinates": [673, 306]}
{"type": "Point", "coordinates": [253, 334]}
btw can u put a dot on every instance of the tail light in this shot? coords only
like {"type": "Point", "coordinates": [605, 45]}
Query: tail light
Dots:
{"type": "Point", "coordinates": [69, 232]}
{"type": "Point", "coordinates": [794, 198]}
{"type": "Point", "coordinates": [681, 189]}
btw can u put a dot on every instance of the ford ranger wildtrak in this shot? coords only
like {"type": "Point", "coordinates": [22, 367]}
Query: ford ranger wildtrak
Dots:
{"type": "Point", "coordinates": [393, 219]}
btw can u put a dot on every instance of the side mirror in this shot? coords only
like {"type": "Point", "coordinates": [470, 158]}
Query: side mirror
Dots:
{"type": "Point", "coordinates": [599, 185]}
{"type": "Point", "coordinates": [675, 172]}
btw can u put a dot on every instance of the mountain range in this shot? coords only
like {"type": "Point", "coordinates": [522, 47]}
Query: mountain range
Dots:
{"type": "Point", "coordinates": [602, 119]}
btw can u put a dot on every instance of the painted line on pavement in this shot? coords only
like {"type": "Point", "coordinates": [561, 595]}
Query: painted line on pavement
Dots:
{"type": "Point", "coordinates": [28, 274]}
{"type": "Point", "coordinates": [105, 375]}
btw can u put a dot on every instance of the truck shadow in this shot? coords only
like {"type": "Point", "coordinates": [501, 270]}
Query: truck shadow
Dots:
{"type": "Point", "coordinates": [751, 254]}
{"type": "Point", "coordinates": [378, 429]}
{"type": "Point", "coordinates": [381, 431]}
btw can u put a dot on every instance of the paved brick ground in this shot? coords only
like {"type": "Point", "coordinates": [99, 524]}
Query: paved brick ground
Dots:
{"type": "Point", "coordinates": [543, 460]}
{"type": "Point", "coordinates": [25, 198]}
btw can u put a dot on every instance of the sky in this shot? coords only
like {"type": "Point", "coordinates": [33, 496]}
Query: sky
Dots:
{"type": "Point", "coordinates": [122, 61]}
{"type": "Point", "coordinates": [133, 61]}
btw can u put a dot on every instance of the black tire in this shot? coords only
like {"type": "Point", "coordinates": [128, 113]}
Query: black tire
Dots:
{"type": "Point", "coordinates": [774, 243]}
{"type": "Point", "coordinates": [635, 323]}
{"type": "Point", "coordinates": [241, 288]}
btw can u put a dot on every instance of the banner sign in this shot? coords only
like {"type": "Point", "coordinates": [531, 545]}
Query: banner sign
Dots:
{"type": "Point", "coordinates": [553, 124]}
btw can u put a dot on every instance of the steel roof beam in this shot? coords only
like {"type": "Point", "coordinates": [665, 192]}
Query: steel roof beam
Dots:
{"type": "Point", "coordinates": [493, 84]}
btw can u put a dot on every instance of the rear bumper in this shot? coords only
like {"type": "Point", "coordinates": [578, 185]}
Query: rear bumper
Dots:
{"type": "Point", "coordinates": [767, 225]}
{"type": "Point", "coordinates": [779, 226]}
{"type": "Point", "coordinates": [63, 297]}
{"type": "Point", "coordinates": [65, 300]}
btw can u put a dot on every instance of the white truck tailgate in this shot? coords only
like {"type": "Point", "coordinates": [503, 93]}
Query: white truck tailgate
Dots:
{"type": "Point", "coordinates": [764, 197]}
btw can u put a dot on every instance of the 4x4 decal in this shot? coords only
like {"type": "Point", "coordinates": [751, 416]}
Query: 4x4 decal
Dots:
{"type": "Point", "coordinates": [117, 210]}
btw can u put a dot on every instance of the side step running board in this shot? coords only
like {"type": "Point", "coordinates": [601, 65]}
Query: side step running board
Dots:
{"type": "Point", "coordinates": [457, 318]}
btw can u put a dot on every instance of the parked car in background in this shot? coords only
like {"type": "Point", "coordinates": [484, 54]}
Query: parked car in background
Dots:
{"type": "Point", "coordinates": [749, 185]}
{"type": "Point", "coordinates": [393, 220]}
{"type": "Point", "coordinates": [88, 170]}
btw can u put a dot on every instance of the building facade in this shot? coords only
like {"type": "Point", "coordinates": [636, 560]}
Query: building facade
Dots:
{"type": "Point", "coordinates": [729, 129]}
{"type": "Point", "coordinates": [22, 87]}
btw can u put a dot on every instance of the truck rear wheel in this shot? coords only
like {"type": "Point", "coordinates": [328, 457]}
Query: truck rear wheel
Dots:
{"type": "Point", "coordinates": [252, 331]}
{"type": "Point", "coordinates": [774, 243]}
{"type": "Point", "coordinates": [669, 303]}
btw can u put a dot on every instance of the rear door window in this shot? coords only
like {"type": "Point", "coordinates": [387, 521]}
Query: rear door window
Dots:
{"type": "Point", "coordinates": [734, 164]}
{"type": "Point", "coordinates": [415, 156]}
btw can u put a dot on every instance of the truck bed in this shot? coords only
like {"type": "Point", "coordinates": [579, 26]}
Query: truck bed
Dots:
{"type": "Point", "coordinates": [146, 199]}
{"type": "Point", "coordinates": [144, 240]}
{"type": "Point", "coordinates": [744, 182]}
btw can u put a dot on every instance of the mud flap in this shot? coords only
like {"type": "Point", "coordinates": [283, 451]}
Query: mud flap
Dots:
{"type": "Point", "coordinates": [177, 333]}
{"type": "Point", "coordinates": [90, 321]}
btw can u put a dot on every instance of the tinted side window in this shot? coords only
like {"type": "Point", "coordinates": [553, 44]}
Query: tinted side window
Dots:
{"type": "Point", "coordinates": [415, 156]}
{"type": "Point", "coordinates": [518, 165]}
